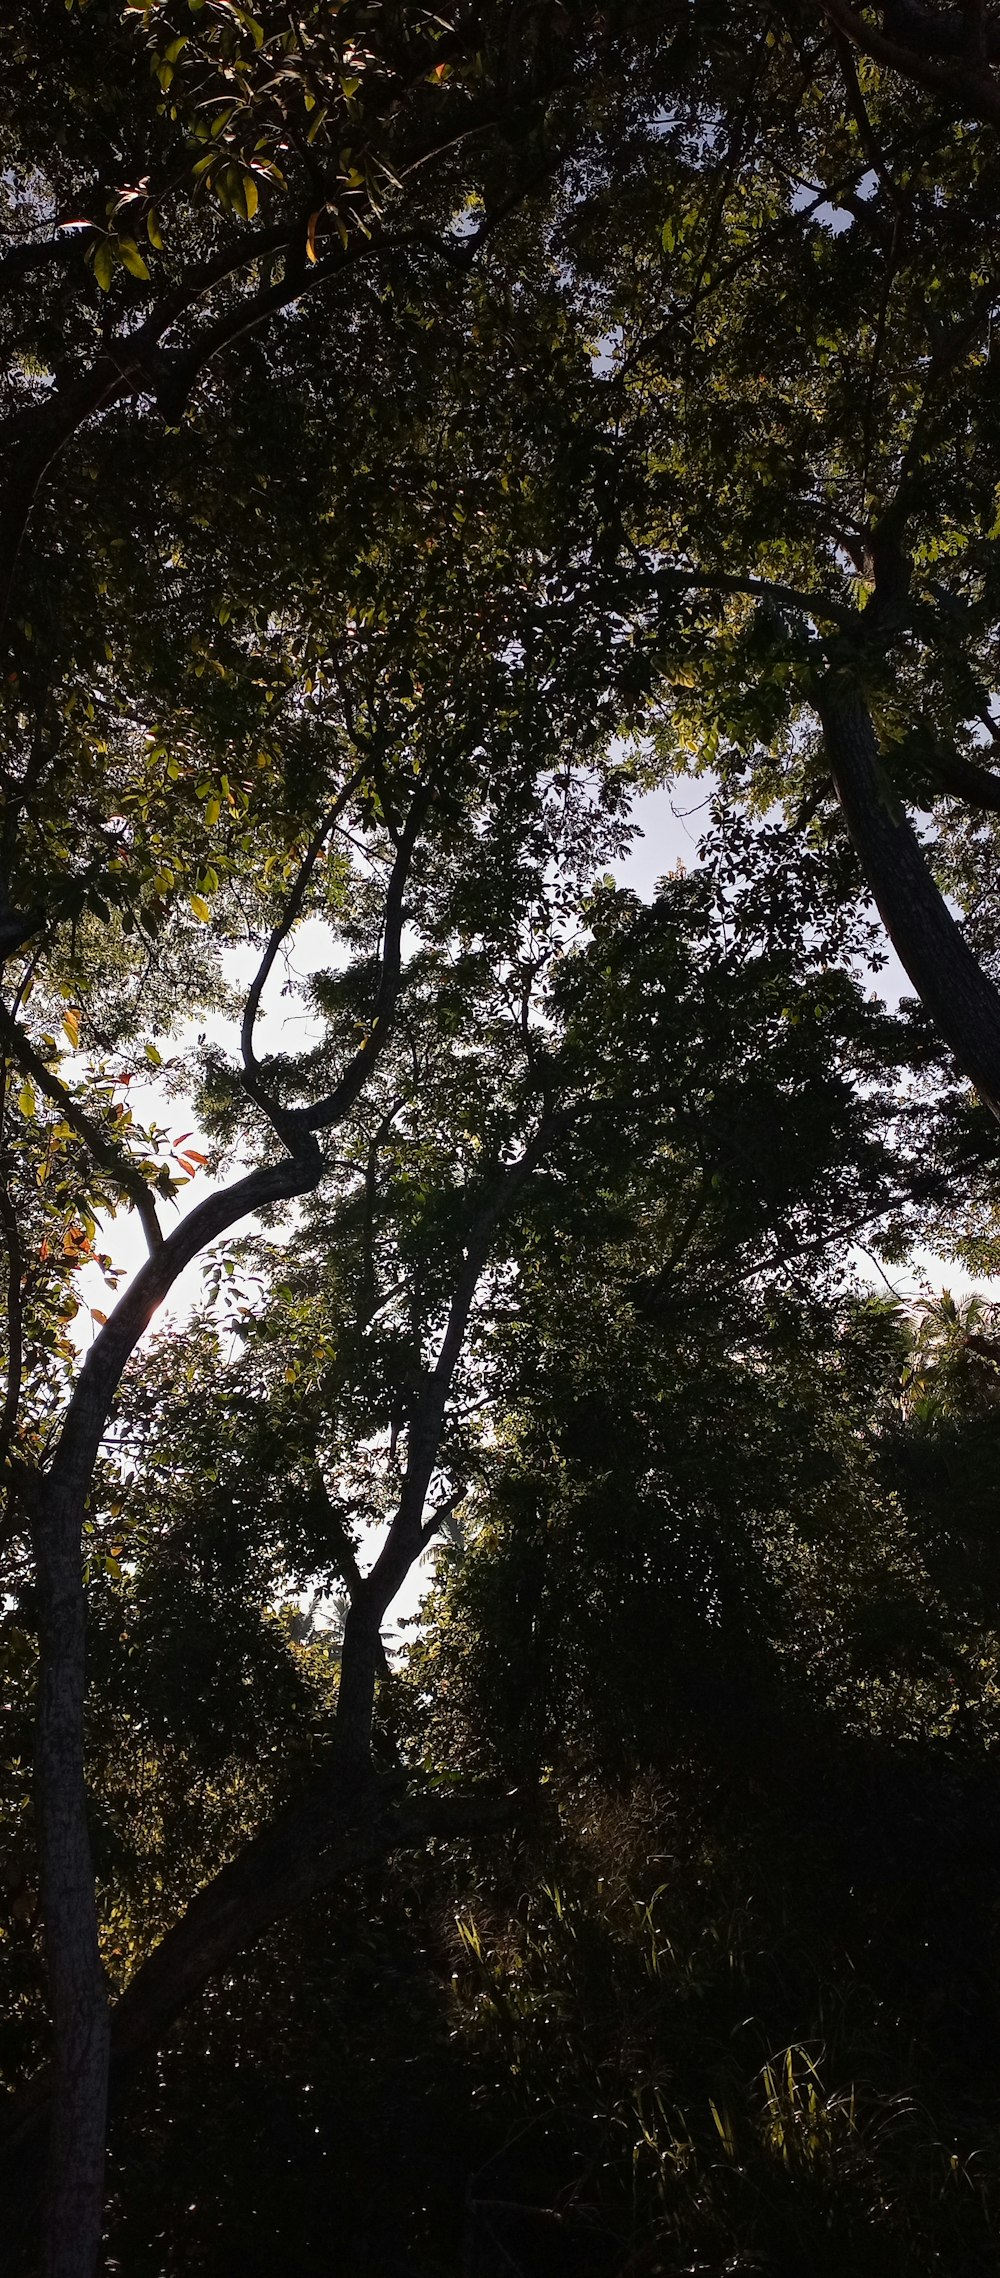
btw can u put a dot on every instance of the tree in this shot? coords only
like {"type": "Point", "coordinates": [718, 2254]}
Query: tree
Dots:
{"type": "Point", "coordinates": [229, 170]}
{"type": "Point", "coordinates": [702, 1052]}
{"type": "Point", "coordinates": [801, 287]}
{"type": "Point", "coordinates": [330, 567]}
{"type": "Point", "coordinates": [949, 52]}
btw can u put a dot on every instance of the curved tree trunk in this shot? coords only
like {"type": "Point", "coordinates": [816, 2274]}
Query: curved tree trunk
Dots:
{"type": "Point", "coordinates": [962, 1001]}
{"type": "Point", "coordinates": [342, 1821]}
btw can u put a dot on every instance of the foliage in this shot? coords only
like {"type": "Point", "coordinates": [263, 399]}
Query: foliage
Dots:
{"type": "Point", "coordinates": [419, 431]}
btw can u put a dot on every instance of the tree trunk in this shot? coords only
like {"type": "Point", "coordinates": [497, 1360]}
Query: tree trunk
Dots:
{"type": "Point", "coordinates": [962, 1001]}
{"type": "Point", "coordinates": [77, 1985]}
{"type": "Point", "coordinates": [308, 1848]}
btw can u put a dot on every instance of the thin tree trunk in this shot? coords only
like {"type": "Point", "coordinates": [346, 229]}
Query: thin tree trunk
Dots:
{"type": "Point", "coordinates": [310, 1847]}
{"type": "Point", "coordinates": [962, 1001]}
{"type": "Point", "coordinates": [77, 1985]}
{"type": "Point", "coordinates": [74, 2199]}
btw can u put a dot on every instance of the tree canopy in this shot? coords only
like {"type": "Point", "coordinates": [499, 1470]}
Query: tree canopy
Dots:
{"type": "Point", "coordinates": [420, 435]}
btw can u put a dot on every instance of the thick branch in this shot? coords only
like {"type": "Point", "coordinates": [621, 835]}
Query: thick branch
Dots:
{"type": "Point", "coordinates": [20, 260]}
{"type": "Point", "coordinates": [974, 90]}
{"type": "Point", "coordinates": [869, 140]}
{"type": "Point", "coordinates": [816, 605]}
{"type": "Point", "coordinates": [962, 1001]}
{"type": "Point", "coordinates": [77, 1990]}
{"type": "Point", "coordinates": [307, 1848]}
{"type": "Point", "coordinates": [101, 1373]}
{"type": "Point", "coordinates": [975, 786]}
{"type": "Point", "coordinates": [44, 433]}
{"type": "Point", "coordinates": [76, 1977]}
{"type": "Point", "coordinates": [17, 927]}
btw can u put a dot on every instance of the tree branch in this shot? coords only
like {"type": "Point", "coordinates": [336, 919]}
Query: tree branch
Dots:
{"type": "Point", "coordinates": [337, 1103]}
{"type": "Point", "coordinates": [406, 1539]}
{"type": "Point", "coordinates": [17, 927]}
{"type": "Point", "coordinates": [307, 1848]}
{"type": "Point", "coordinates": [975, 786]}
{"type": "Point", "coordinates": [817, 605]}
{"type": "Point", "coordinates": [20, 260]}
{"type": "Point", "coordinates": [961, 999]}
{"type": "Point", "coordinates": [290, 916]}
{"type": "Point", "coordinates": [972, 89]}
{"type": "Point", "coordinates": [862, 118]}
{"type": "Point", "coordinates": [15, 1275]}
{"type": "Point", "coordinates": [111, 1158]}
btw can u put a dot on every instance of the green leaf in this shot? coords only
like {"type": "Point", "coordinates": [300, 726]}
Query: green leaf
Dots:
{"type": "Point", "coordinates": [132, 258]}
{"type": "Point", "coordinates": [103, 263]}
{"type": "Point", "coordinates": [26, 1098]}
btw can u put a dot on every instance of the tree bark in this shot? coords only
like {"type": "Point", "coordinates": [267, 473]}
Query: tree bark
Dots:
{"type": "Point", "coordinates": [308, 1848]}
{"type": "Point", "coordinates": [78, 1991]}
{"type": "Point", "coordinates": [74, 2198]}
{"type": "Point", "coordinates": [961, 999]}
{"type": "Point", "coordinates": [316, 1843]}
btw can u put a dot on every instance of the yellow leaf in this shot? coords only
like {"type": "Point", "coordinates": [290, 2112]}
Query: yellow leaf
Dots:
{"type": "Point", "coordinates": [200, 908]}
{"type": "Point", "coordinates": [71, 1024]}
{"type": "Point", "coordinates": [311, 234]}
{"type": "Point", "coordinates": [132, 258]}
{"type": "Point", "coordinates": [26, 1099]}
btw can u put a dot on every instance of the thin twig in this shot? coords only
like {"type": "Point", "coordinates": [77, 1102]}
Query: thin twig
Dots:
{"type": "Point", "coordinates": [289, 917]}
{"type": "Point", "coordinates": [325, 1112]}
